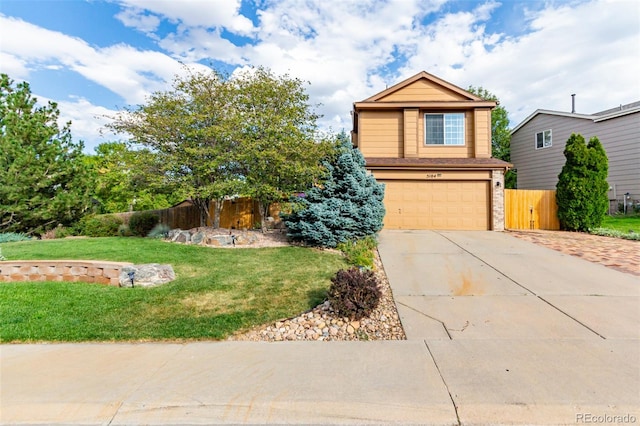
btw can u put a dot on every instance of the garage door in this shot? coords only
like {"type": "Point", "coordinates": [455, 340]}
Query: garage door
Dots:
{"type": "Point", "coordinates": [462, 205]}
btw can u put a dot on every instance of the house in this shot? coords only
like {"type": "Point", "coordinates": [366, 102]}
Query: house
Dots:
{"type": "Point", "coordinates": [429, 142]}
{"type": "Point", "coordinates": [537, 147]}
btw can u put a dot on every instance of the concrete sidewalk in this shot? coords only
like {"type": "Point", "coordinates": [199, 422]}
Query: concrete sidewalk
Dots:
{"type": "Point", "coordinates": [223, 383]}
{"type": "Point", "coordinates": [501, 331]}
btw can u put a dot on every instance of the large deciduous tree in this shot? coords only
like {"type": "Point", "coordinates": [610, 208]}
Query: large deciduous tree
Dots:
{"type": "Point", "coordinates": [347, 205]}
{"type": "Point", "coordinates": [187, 127]}
{"type": "Point", "coordinates": [581, 191]}
{"type": "Point", "coordinates": [500, 133]}
{"type": "Point", "coordinates": [251, 134]}
{"type": "Point", "coordinates": [44, 181]}
{"type": "Point", "coordinates": [275, 130]}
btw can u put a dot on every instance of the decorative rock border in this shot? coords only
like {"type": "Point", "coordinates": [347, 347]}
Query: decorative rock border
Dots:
{"type": "Point", "coordinates": [90, 271]}
{"type": "Point", "coordinates": [213, 237]}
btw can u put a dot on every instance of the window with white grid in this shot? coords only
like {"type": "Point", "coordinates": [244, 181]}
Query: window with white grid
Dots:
{"type": "Point", "coordinates": [444, 129]}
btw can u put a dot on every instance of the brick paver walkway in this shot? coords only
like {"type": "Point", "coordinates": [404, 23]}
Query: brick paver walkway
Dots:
{"type": "Point", "coordinates": [616, 253]}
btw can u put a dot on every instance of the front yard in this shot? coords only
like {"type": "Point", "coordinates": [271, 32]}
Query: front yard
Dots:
{"type": "Point", "coordinates": [216, 292]}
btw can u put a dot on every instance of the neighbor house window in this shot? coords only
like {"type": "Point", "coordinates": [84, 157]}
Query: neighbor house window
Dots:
{"type": "Point", "coordinates": [444, 129]}
{"type": "Point", "coordinates": [543, 139]}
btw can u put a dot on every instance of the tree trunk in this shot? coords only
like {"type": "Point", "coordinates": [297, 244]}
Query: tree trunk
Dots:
{"type": "Point", "coordinates": [264, 213]}
{"type": "Point", "coordinates": [219, 203]}
{"type": "Point", "coordinates": [203, 208]}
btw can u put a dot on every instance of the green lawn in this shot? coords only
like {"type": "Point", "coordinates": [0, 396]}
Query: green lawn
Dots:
{"type": "Point", "coordinates": [622, 223]}
{"type": "Point", "coordinates": [216, 292]}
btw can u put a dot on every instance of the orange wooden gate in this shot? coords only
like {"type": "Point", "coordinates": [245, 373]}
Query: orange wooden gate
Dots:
{"type": "Point", "coordinates": [530, 209]}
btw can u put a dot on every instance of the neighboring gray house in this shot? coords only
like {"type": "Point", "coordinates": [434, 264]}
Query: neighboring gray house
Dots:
{"type": "Point", "coordinates": [537, 146]}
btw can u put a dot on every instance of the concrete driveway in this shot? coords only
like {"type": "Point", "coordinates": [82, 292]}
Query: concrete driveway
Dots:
{"type": "Point", "coordinates": [517, 331]}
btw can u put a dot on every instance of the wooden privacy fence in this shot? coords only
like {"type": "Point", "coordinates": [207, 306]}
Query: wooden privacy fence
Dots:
{"type": "Point", "coordinates": [239, 213]}
{"type": "Point", "coordinates": [530, 209]}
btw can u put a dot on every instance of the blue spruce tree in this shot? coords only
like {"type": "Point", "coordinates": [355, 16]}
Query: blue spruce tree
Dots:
{"type": "Point", "coordinates": [348, 205]}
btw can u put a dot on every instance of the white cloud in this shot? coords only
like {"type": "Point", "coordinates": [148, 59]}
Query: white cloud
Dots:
{"type": "Point", "coordinates": [13, 66]}
{"type": "Point", "coordinates": [125, 70]}
{"type": "Point", "coordinates": [135, 18]}
{"type": "Point", "coordinates": [349, 51]}
{"type": "Point", "coordinates": [190, 13]}
{"type": "Point", "coordinates": [338, 46]}
{"type": "Point", "coordinates": [86, 118]}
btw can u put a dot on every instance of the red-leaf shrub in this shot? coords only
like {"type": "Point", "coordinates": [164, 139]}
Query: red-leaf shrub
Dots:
{"type": "Point", "coordinates": [354, 293]}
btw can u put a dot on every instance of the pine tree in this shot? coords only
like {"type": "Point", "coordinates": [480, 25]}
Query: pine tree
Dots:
{"type": "Point", "coordinates": [581, 191]}
{"type": "Point", "coordinates": [348, 205]}
{"type": "Point", "coordinates": [44, 180]}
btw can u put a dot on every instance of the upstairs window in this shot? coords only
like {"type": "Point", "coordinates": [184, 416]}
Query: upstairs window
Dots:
{"type": "Point", "coordinates": [444, 129]}
{"type": "Point", "coordinates": [543, 139]}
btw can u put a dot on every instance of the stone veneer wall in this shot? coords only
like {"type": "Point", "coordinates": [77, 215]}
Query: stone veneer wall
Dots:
{"type": "Point", "coordinates": [497, 187]}
{"type": "Point", "coordinates": [90, 271]}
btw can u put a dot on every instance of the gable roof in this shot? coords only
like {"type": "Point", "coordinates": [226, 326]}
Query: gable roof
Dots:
{"type": "Point", "coordinates": [596, 117]}
{"type": "Point", "coordinates": [459, 98]}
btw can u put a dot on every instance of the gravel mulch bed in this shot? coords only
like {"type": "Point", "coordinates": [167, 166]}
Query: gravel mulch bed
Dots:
{"type": "Point", "coordinates": [322, 324]}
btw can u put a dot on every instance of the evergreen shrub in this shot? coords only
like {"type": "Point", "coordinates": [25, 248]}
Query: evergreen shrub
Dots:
{"type": "Point", "coordinates": [354, 293]}
{"type": "Point", "coordinates": [581, 191]}
{"type": "Point", "coordinates": [141, 223]}
{"type": "Point", "coordinates": [346, 205]}
{"type": "Point", "coordinates": [100, 226]}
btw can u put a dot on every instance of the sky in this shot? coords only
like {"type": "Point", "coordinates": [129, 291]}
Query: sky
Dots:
{"type": "Point", "coordinates": [94, 58]}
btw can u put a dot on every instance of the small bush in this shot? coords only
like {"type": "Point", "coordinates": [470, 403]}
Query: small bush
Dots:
{"type": "Point", "coordinates": [124, 231]}
{"type": "Point", "coordinates": [10, 237]}
{"type": "Point", "coordinates": [603, 232]}
{"type": "Point", "coordinates": [359, 252]}
{"type": "Point", "coordinates": [100, 226]}
{"type": "Point", "coordinates": [159, 231]}
{"type": "Point", "coordinates": [49, 235]}
{"type": "Point", "coordinates": [141, 223]}
{"type": "Point", "coordinates": [354, 293]}
{"type": "Point", "coordinates": [58, 232]}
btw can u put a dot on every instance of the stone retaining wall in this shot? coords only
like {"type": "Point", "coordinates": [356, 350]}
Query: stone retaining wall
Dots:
{"type": "Point", "coordinates": [90, 271]}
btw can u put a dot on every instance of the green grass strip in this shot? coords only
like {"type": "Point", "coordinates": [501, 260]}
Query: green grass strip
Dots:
{"type": "Point", "coordinates": [216, 292]}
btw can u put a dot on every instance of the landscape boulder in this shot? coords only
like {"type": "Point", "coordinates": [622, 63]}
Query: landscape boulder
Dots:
{"type": "Point", "coordinates": [213, 237]}
{"type": "Point", "coordinates": [148, 275]}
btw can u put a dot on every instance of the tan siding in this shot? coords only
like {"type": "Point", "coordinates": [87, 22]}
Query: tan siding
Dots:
{"type": "Point", "coordinates": [423, 90]}
{"type": "Point", "coordinates": [482, 133]}
{"type": "Point", "coordinates": [381, 133]}
{"type": "Point", "coordinates": [411, 141]}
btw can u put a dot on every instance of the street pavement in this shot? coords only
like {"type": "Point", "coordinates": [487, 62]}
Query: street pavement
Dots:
{"type": "Point", "coordinates": [500, 331]}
